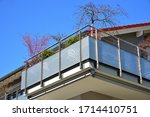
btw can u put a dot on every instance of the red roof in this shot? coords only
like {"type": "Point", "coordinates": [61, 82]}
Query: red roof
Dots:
{"type": "Point", "coordinates": [121, 27]}
{"type": "Point", "coordinates": [126, 26]}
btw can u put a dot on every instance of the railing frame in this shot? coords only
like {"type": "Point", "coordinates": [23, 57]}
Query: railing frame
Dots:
{"type": "Point", "coordinates": [96, 53]}
{"type": "Point", "coordinates": [96, 50]}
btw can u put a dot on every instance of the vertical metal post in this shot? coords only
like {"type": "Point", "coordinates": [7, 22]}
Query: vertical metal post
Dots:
{"type": "Point", "coordinates": [92, 29]}
{"type": "Point", "coordinates": [60, 76]}
{"type": "Point", "coordinates": [119, 58]}
{"type": "Point", "coordinates": [96, 50]}
{"type": "Point", "coordinates": [26, 66]}
{"type": "Point", "coordinates": [81, 66]}
{"type": "Point", "coordinates": [139, 64]}
{"type": "Point", "coordinates": [41, 82]}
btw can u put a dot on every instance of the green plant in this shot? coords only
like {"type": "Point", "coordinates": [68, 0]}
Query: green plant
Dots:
{"type": "Point", "coordinates": [47, 53]}
{"type": "Point", "coordinates": [72, 40]}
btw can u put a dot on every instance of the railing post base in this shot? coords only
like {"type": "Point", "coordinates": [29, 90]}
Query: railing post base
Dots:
{"type": "Point", "coordinates": [141, 82]}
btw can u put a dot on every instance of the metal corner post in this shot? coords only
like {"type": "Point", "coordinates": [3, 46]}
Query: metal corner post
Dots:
{"type": "Point", "coordinates": [92, 29]}
{"type": "Point", "coordinates": [96, 50]}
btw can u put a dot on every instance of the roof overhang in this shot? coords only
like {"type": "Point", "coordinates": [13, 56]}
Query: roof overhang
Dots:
{"type": "Point", "coordinates": [138, 30]}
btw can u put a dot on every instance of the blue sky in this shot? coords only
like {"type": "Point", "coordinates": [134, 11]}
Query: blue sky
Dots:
{"type": "Point", "coordinates": [43, 17]}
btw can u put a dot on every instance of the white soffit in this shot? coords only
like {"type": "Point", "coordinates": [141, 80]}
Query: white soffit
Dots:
{"type": "Point", "coordinates": [139, 33]}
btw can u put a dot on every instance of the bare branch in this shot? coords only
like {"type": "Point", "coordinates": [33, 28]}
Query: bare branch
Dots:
{"type": "Point", "coordinates": [98, 14]}
{"type": "Point", "coordinates": [58, 37]}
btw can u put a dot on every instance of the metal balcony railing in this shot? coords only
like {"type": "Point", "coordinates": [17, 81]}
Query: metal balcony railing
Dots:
{"type": "Point", "coordinates": [139, 55]}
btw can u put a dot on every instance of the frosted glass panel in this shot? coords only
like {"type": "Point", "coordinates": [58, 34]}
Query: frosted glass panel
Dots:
{"type": "Point", "coordinates": [34, 74]}
{"type": "Point", "coordinates": [129, 62]}
{"type": "Point", "coordinates": [145, 65]}
{"type": "Point", "coordinates": [50, 65]}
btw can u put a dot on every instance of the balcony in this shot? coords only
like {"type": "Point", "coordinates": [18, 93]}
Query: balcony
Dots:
{"type": "Point", "coordinates": [110, 58]}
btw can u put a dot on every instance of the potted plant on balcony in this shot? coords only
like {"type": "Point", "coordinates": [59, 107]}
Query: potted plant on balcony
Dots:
{"type": "Point", "coordinates": [47, 53]}
{"type": "Point", "coordinates": [71, 41]}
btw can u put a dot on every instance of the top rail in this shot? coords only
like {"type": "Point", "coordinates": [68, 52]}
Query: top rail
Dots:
{"type": "Point", "coordinates": [79, 30]}
{"type": "Point", "coordinates": [60, 41]}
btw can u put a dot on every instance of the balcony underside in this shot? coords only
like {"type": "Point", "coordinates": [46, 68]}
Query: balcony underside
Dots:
{"type": "Point", "coordinates": [92, 80]}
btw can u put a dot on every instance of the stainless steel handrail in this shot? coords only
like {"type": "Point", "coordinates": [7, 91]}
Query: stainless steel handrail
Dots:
{"type": "Point", "coordinates": [79, 30]}
{"type": "Point", "coordinates": [96, 51]}
{"type": "Point", "coordinates": [60, 41]}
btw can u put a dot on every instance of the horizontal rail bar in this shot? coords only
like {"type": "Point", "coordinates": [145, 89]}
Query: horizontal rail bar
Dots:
{"type": "Point", "coordinates": [58, 42]}
{"type": "Point", "coordinates": [115, 37]}
{"type": "Point", "coordinates": [40, 52]}
{"type": "Point", "coordinates": [123, 40]}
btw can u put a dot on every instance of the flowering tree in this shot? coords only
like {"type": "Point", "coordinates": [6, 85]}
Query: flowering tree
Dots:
{"type": "Point", "coordinates": [36, 44]}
